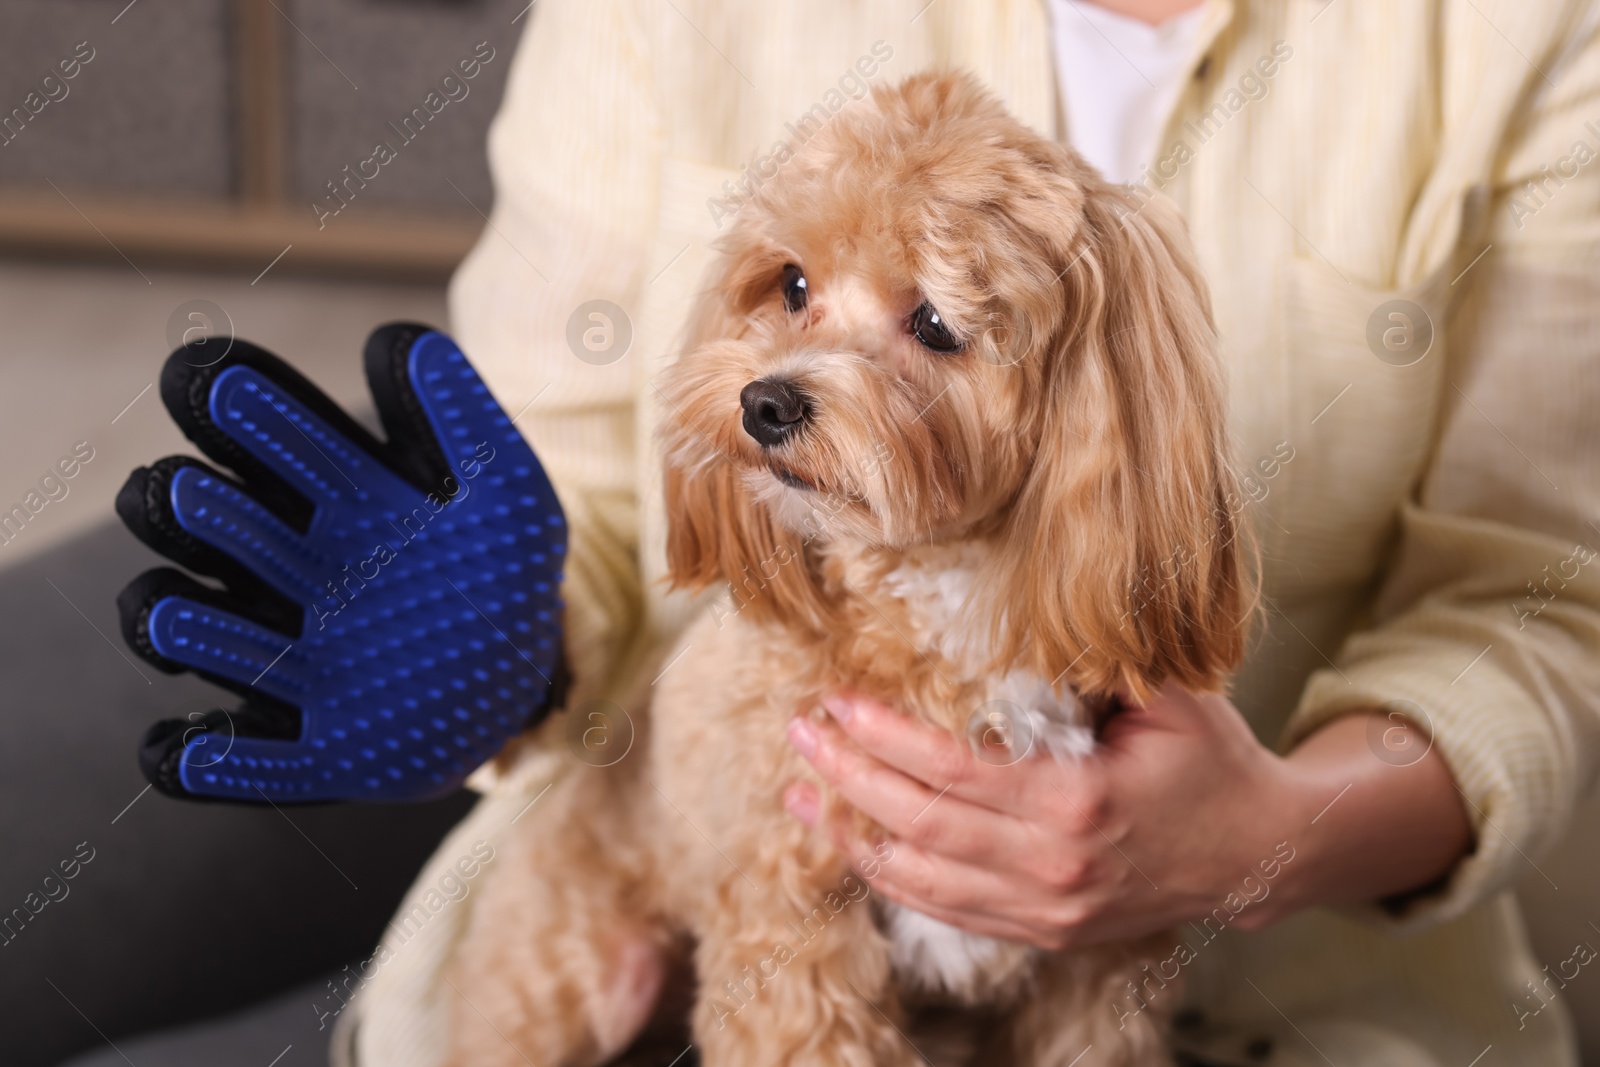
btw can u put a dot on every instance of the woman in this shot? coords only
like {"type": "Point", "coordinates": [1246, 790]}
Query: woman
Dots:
{"type": "Point", "coordinates": [1399, 228]}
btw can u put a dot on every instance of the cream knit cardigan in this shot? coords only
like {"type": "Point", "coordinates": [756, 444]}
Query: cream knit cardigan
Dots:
{"type": "Point", "coordinates": [1429, 529]}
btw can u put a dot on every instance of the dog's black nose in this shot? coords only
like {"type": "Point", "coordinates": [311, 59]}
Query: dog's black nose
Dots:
{"type": "Point", "coordinates": [773, 410]}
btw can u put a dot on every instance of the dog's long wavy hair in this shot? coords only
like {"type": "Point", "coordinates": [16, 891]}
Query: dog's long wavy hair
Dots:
{"type": "Point", "coordinates": [1077, 429]}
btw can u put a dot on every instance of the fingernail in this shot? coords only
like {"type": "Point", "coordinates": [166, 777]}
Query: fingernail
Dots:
{"type": "Point", "coordinates": [839, 708]}
{"type": "Point", "coordinates": [801, 801]}
{"type": "Point", "coordinates": [803, 736]}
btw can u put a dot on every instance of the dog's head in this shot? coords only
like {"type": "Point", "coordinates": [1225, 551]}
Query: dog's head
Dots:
{"type": "Point", "coordinates": [933, 324]}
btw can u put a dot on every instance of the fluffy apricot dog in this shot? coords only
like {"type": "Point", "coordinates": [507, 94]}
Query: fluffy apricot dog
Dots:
{"type": "Point", "coordinates": [949, 423]}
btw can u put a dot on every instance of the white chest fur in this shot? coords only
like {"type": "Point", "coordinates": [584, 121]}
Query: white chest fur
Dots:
{"type": "Point", "coordinates": [937, 588]}
{"type": "Point", "coordinates": [937, 957]}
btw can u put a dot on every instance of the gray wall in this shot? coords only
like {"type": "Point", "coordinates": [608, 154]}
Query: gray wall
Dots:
{"type": "Point", "coordinates": [152, 112]}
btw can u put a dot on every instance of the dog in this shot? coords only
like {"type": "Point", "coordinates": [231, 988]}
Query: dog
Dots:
{"type": "Point", "coordinates": [949, 426]}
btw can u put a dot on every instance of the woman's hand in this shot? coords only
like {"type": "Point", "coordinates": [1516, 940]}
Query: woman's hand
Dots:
{"type": "Point", "coordinates": [1179, 812]}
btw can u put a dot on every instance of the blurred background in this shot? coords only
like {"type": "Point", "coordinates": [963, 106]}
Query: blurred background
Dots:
{"type": "Point", "coordinates": [180, 181]}
{"type": "Point", "coordinates": [167, 186]}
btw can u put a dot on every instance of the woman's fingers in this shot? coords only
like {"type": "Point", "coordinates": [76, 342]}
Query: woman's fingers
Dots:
{"type": "Point", "coordinates": [932, 819]}
{"type": "Point", "coordinates": [959, 894]}
{"type": "Point", "coordinates": [971, 922]}
{"type": "Point", "coordinates": [935, 758]}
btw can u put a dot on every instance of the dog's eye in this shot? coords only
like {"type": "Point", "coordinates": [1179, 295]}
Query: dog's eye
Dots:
{"type": "Point", "coordinates": [794, 287]}
{"type": "Point", "coordinates": [929, 328]}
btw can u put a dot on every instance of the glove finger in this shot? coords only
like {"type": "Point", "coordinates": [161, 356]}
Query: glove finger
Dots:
{"type": "Point", "coordinates": [247, 769]}
{"type": "Point", "coordinates": [292, 446]}
{"type": "Point", "coordinates": [178, 624]}
{"type": "Point", "coordinates": [249, 756]}
{"type": "Point", "coordinates": [210, 738]}
{"type": "Point", "coordinates": [427, 392]}
{"type": "Point", "coordinates": [258, 769]}
{"type": "Point", "coordinates": [439, 413]}
{"type": "Point", "coordinates": [226, 645]}
{"type": "Point", "coordinates": [411, 437]}
{"type": "Point", "coordinates": [196, 517]}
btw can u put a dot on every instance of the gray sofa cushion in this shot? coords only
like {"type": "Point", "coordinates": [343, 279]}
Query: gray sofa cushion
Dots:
{"type": "Point", "coordinates": [174, 911]}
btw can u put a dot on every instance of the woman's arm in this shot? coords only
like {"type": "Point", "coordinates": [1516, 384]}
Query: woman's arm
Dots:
{"type": "Point", "coordinates": [1179, 813]}
{"type": "Point", "coordinates": [1393, 823]}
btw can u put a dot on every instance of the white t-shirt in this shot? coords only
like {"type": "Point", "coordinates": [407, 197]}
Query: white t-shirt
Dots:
{"type": "Point", "coordinates": [1118, 79]}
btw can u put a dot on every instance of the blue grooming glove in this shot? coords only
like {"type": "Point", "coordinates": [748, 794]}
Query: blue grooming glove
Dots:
{"type": "Point", "coordinates": [388, 610]}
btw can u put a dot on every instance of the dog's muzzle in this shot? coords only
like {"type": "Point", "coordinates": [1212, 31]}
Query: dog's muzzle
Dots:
{"type": "Point", "coordinates": [774, 410]}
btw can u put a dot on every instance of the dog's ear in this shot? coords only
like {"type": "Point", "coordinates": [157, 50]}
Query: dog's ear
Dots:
{"type": "Point", "coordinates": [717, 530]}
{"type": "Point", "coordinates": [1124, 558]}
